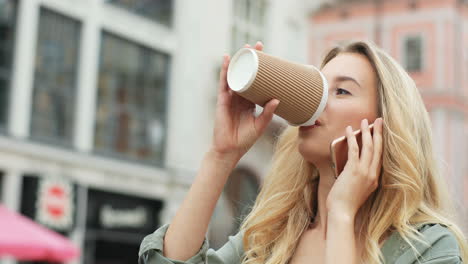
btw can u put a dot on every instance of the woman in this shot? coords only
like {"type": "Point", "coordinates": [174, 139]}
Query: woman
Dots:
{"type": "Point", "coordinates": [388, 205]}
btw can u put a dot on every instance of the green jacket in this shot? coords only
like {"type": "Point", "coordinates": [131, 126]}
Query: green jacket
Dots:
{"type": "Point", "coordinates": [443, 249]}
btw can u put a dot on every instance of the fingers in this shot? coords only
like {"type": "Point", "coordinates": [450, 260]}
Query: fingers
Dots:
{"type": "Point", "coordinates": [224, 92]}
{"type": "Point", "coordinates": [378, 147]}
{"type": "Point", "coordinates": [258, 46]}
{"type": "Point", "coordinates": [367, 144]}
{"type": "Point", "coordinates": [353, 148]}
{"type": "Point", "coordinates": [267, 114]}
{"type": "Point", "coordinates": [223, 85]}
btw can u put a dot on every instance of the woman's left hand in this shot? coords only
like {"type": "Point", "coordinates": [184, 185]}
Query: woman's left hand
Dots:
{"type": "Point", "coordinates": [360, 176]}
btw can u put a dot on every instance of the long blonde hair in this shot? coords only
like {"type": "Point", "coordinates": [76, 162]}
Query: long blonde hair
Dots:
{"type": "Point", "coordinates": [411, 190]}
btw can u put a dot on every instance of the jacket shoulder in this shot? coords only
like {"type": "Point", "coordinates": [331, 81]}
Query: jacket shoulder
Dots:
{"type": "Point", "coordinates": [439, 244]}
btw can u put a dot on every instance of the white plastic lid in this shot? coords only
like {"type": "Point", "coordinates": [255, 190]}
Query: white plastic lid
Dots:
{"type": "Point", "coordinates": [242, 70]}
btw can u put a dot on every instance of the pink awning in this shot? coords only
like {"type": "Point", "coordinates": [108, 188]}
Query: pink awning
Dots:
{"type": "Point", "coordinates": [24, 239]}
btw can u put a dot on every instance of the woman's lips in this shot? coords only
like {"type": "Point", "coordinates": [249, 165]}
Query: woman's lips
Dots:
{"type": "Point", "coordinates": [307, 128]}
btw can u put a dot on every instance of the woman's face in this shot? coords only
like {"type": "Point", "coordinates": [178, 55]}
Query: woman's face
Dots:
{"type": "Point", "coordinates": [352, 96]}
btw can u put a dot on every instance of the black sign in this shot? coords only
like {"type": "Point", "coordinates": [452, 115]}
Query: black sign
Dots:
{"type": "Point", "coordinates": [112, 211]}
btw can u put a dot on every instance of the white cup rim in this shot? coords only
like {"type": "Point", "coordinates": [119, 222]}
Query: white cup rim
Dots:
{"type": "Point", "coordinates": [233, 84]}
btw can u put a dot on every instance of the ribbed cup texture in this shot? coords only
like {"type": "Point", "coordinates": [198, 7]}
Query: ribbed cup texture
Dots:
{"type": "Point", "coordinates": [298, 87]}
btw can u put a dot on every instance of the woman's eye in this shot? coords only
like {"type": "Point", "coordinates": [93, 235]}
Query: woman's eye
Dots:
{"type": "Point", "coordinates": [342, 91]}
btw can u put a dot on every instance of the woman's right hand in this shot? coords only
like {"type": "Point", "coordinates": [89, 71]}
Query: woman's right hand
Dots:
{"type": "Point", "coordinates": [236, 127]}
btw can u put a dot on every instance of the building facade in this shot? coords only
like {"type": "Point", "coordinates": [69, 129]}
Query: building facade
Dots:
{"type": "Point", "coordinates": [430, 39]}
{"type": "Point", "coordinates": [107, 108]}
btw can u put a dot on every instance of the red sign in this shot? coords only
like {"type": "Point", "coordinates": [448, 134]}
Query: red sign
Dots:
{"type": "Point", "coordinates": [55, 203]}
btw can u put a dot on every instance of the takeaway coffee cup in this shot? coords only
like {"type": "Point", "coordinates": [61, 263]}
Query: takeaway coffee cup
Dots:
{"type": "Point", "coordinates": [301, 89]}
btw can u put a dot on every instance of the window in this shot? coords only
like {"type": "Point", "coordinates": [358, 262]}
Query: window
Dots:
{"type": "Point", "coordinates": [248, 22]}
{"type": "Point", "coordinates": [131, 109]}
{"type": "Point", "coordinates": [236, 201]}
{"type": "Point", "coordinates": [413, 54]}
{"type": "Point", "coordinates": [7, 29]}
{"type": "Point", "coordinates": [160, 11]}
{"type": "Point", "coordinates": [52, 118]}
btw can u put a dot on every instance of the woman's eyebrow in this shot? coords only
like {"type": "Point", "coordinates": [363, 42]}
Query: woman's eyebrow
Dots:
{"type": "Point", "coordinates": [342, 78]}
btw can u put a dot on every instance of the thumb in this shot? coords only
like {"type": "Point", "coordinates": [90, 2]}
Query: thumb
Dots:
{"type": "Point", "coordinates": [267, 114]}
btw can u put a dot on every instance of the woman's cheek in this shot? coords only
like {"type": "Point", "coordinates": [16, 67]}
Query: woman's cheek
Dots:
{"type": "Point", "coordinates": [350, 113]}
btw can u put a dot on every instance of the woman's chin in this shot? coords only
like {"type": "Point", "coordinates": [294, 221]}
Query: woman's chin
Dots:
{"type": "Point", "coordinates": [313, 154]}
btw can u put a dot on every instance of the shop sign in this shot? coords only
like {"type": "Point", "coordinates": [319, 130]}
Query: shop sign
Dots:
{"type": "Point", "coordinates": [54, 206]}
{"type": "Point", "coordinates": [123, 218]}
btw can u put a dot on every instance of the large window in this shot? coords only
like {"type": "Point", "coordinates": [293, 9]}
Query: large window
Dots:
{"type": "Point", "coordinates": [52, 117]}
{"type": "Point", "coordinates": [413, 53]}
{"type": "Point", "coordinates": [248, 22]}
{"type": "Point", "coordinates": [7, 30]}
{"type": "Point", "coordinates": [234, 205]}
{"type": "Point", "coordinates": [160, 11]}
{"type": "Point", "coordinates": [131, 109]}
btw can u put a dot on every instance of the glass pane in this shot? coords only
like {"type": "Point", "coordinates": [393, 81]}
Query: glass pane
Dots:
{"type": "Point", "coordinates": [248, 22]}
{"type": "Point", "coordinates": [131, 110]}
{"type": "Point", "coordinates": [7, 20]}
{"type": "Point", "coordinates": [7, 29]}
{"type": "Point", "coordinates": [239, 194]}
{"type": "Point", "coordinates": [234, 46]}
{"type": "Point", "coordinates": [157, 10]}
{"type": "Point", "coordinates": [53, 109]}
{"type": "Point", "coordinates": [239, 8]}
{"type": "Point", "coordinates": [258, 16]}
{"type": "Point", "coordinates": [238, 40]}
{"type": "Point", "coordinates": [4, 93]}
{"type": "Point", "coordinates": [249, 8]}
{"type": "Point", "coordinates": [413, 51]}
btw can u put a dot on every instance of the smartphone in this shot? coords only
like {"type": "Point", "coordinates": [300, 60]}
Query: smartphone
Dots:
{"type": "Point", "coordinates": [339, 150]}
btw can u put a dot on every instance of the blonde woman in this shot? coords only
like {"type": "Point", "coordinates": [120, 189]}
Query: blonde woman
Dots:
{"type": "Point", "coordinates": [389, 205]}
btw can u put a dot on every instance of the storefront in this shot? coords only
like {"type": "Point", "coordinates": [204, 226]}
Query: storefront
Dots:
{"type": "Point", "coordinates": [116, 225]}
{"type": "Point", "coordinates": [50, 201]}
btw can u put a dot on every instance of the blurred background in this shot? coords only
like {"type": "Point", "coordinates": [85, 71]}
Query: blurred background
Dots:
{"type": "Point", "coordinates": [107, 106]}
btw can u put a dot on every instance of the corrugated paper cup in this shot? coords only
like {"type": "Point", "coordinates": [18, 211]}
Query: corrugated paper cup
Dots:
{"type": "Point", "coordinates": [301, 89]}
